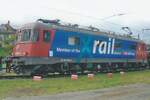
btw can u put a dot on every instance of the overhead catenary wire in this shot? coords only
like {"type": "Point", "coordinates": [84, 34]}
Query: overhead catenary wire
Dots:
{"type": "Point", "coordinates": [102, 26]}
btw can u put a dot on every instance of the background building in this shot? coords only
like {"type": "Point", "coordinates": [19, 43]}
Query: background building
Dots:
{"type": "Point", "coordinates": [7, 38]}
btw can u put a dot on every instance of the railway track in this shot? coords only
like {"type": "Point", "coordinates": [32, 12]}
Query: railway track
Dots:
{"type": "Point", "coordinates": [15, 77]}
{"type": "Point", "coordinates": [52, 75]}
{"type": "Point", "coordinates": [30, 77]}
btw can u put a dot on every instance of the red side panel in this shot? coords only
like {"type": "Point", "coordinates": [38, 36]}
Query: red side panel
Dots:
{"type": "Point", "coordinates": [141, 51]}
{"type": "Point", "coordinates": [42, 48]}
{"type": "Point", "coordinates": [34, 49]}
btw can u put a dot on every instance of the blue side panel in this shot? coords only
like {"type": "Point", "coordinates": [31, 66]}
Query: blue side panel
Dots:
{"type": "Point", "coordinates": [91, 46]}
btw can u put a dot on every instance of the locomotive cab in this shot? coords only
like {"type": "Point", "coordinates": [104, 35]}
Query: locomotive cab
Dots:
{"type": "Point", "coordinates": [33, 41]}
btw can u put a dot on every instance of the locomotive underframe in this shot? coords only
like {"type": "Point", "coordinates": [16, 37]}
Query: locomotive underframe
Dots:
{"type": "Point", "coordinates": [45, 65]}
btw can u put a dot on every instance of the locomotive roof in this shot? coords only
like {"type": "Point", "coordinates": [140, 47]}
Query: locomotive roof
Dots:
{"type": "Point", "coordinates": [70, 28]}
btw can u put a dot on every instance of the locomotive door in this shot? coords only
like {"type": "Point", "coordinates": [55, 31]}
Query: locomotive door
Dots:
{"type": "Point", "coordinates": [44, 42]}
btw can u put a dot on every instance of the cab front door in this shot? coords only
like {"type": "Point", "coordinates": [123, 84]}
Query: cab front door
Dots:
{"type": "Point", "coordinates": [45, 39]}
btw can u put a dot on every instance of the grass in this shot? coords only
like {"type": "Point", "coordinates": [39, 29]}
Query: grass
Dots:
{"type": "Point", "coordinates": [4, 52]}
{"type": "Point", "coordinates": [28, 87]}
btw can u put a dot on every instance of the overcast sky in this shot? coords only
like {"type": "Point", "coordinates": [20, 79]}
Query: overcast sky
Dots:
{"type": "Point", "coordinates": [84, 12]}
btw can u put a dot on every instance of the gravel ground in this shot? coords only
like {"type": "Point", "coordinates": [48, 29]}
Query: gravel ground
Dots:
{"type": "Point", "coordinates": [129, 92]}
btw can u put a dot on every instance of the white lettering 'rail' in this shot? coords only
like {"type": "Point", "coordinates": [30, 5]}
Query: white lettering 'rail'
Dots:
{"type": "Point", "coordinates": [104, 47]}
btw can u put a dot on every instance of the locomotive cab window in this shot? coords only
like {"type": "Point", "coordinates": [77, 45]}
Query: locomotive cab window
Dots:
{"type": "Point", "coordinates": [35, 36]}
{"type": "Point", "coordinates": [74, 41]}
{"type": "Point", "coordinates": [19, 36]}
{"type": "Point", "coordinates": [46, 36]}
{"type": "Point", "coordinates": [26, 34]}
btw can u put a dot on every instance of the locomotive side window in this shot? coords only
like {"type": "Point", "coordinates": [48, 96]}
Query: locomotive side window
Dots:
{"type": "Point", "coordinates": [132, 47]}
{"type": "Point", "coordinates": [35, 35]}
{"type": "Point", "coordinates": [46, 37]}
{"type": "Point", "coordinates": [117, 45]}
{"type": "Point", "coordinates": [74, 41]}
{"type": "Point", "coordinates": [26, 35]}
